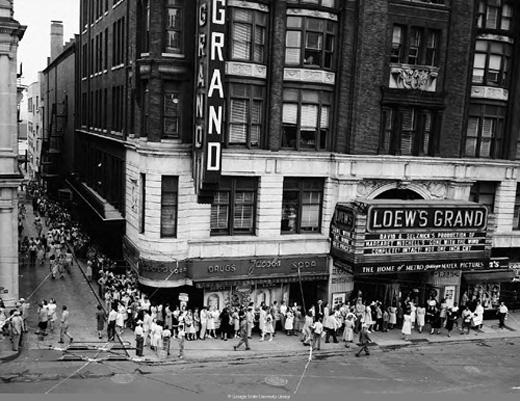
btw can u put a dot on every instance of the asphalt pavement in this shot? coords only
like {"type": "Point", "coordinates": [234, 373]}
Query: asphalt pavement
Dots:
{"type": "Point", "coordinates": [81, 298]}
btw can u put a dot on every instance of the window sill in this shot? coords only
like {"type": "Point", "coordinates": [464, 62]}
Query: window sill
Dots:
{"type": "Point", "coordinates": [117, 67]}
{"type": "Point", "coordinates": [172, 55]}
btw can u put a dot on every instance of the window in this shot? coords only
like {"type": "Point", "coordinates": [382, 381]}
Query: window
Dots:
{"type": "Point", "coordinates": [495, 14]}
{"type": "Point", "coordinates": [301, 205]}
{"type": "Point", "coordinates": [171, 111]}
{"type": "Point", "coordinates": [310, 42]}
{"type": "Point", "coordinates": [516, 215]}
{"type": "Point", "coordinates": [306, 119]}
{"type": "Point", "coordinates": [169, 191]}
{"type": "Point", "coordinates": [105, 57]}
{"type": "Point", "coordinates": [414, 45]}
{"type": "Point", "coordinates": [145, 45]}
{"type": "Point", "coordinates": [234, 205]}
{"type": "Point", "coordinates": [483, 192]}
{"type": "Point", "coordinates": [245, 114]}
{"type": "Point", "coordinates": [484, 132]}
{"type": "Point", "coordinates": [492, 63]}
{"type": "Point", "coordinates": [248, 33]}
{"type": "Point", "coordinates": [174, 26]}
{"type": "Point", "coordinates": [409, 131]}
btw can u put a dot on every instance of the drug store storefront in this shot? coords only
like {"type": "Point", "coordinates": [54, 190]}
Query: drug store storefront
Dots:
{"type": "Point", "coordinates": [237, 282]}
{"type": "Point", "coordinates": [396, 249]}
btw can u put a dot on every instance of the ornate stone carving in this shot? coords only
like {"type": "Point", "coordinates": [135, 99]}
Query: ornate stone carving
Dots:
{"type": "Point", "coordinates": [366, 187]}
{"type": "Point", "coordinates": [246, 69]}
{"type": "Point", "coordinates": [309, 75]}
{"type": "Point", "coordinates": [312, 13]}
{"type": "Point", "coordinates": [414, 77]}
{"type": "Point", "coordinates": [437, 190]}
{"type": "Point", "coordinates": [487, 92]}
{"type": "Point", "coordinates": [249, 5]}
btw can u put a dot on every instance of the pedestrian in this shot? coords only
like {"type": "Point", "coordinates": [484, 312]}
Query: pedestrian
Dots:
{"type": "Point", "coordinates": [330, 326]}
{"type": "Point", "coordinates": [139, 338]}
{"type": "Point", "coordinates": [100, 318]}
{"type": "Point", "coordinates": [451, 318]}
{"type": "Point", "coordinates": [88, 272]}
{"type": "Point", "coordinates": [250, 317]}
{"type": "Point", "coordinates": [421, 317]}
{"type": "Point", "coordinates": [244, 337]}
{"type": "Point", "coordinates": [196, 323]}
{"type": "Point", "coordinates": [111, 323]}
{"type": "Point", "coordinates": [210, 325]}
{"type": "Point", "coordinates": [236, 322]}
{"type": "Point", "coordinates": [33, 251]}
{"type": "Point", "coordinates": [203, 322]}
{"type": "Point", "coordinates": [261, 320]}
{"type": "Point", "coordinates": [436, 322]}
{"type": "Point", "coordinates": [51, 307]}
{"type": "Point", "coordinates": [364, 340]}
{"type": "Point", "coordinates": [16, 329]}
{"type": "Point", "coordinates": [120, 319]}
{"type": "Point", "coordinates": [43, 318]}
{"type": "Point", "coordinates": [502, 314]}
{"type": "Point", "coordinates": [64, 325]}
{"type": "Point", "coordinates": [478, 315]}
{"type": "Point", "coordinates": [407, 326]}
{"type": "Point", "coordinates": [156, 335]}
{"type": "Point", "coordinates": [317, 329]}
{"type": "Point", "coordinates": [466, 320]}
{"type": "Point", "coordinates": [288, 319]}
{"type": "Point", "coordinates": [307, 329]}
{"type": "Point", "coordinates": [413, 314]}
{"type": "Point", "coordinates": [444, 312]}
{"type": "Point", "coordinates": [348, 331]}
{"type": "Point", "coordinates": [24, 310]}
{"type": "Point", "coordinates": [268, 325]}
{"type": "Point", "coordinates": [386, 320]}
{"type": "Point", "coordinates": [379, 317]}
{"type": "Point", "coordinates": [166, 339]}
{"type": "Point", "coordinates": [181, 336]}
{"type": "Point", "coordinates": [283, 314]}
{"type": "Point", "coordinates": [40, 255]}
{"type": "Point", "coordinates": [360, 312]}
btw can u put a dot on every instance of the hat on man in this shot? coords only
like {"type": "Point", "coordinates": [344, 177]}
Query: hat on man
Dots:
{"type": "Point", "coordinates": [139, 322]}
{"type": "Point", "coordinates": [22, 299]}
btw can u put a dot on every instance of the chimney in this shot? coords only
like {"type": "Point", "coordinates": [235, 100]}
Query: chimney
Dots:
{"type": "Point", "coordinates": [56, 39]}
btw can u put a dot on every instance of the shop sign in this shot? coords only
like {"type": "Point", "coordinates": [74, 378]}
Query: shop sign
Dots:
{"type": "Point", "coordinates": [251, 267]}
{"type": "Point", "coordinates": [434, 266]}
{"type": "Point", "coordinates": [422, 218]}
{"type": "Point", "coordinates": [183, 297]}
{"type": "Point", "coordinates": [516, 268]}
{"type": "Point", "coordinates": [210, 97]}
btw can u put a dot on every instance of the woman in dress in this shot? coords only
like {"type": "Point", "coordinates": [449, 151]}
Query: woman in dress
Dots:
{"type": "Point", "coordinates": [421, 316]}
{"type": "Point", "coordinates": [261, 320]}
{"type": "Point", "coordinates": [407, 326]}
{"type": "Point", "coordinates": [413, 314]}
{"type": "Point", "coordinates": [188, 326]}
{"type": "Point", "coordinates": [444, 312]}
{"type": "Point", "coordinates": [306, 329]}
{"type": "Point", "coordinates": [168, 317]}
{"type": "Point", "coordinates": [225, 324]}
{"type": "Point", "coordinates": [348, 331]}
{"type": "Point", "coordinates": [210, 325]}
{"type": "Point", "coordinates": [451, 318]}
{"type": "Point", "coordinates": [268, 326]}
{"type": "Point", "coordinates": [367, 317]}
{"type": "Point", "coordinates": [392, 312]}
{"type": "Point", "coordinates": [51, 307]}
{"type": "Point", "coordinates": [478, 315]}
{"type": "Point", "coordinates": [289, 322]}
{"type": "Point", "coordinates": [436, 322]}
{"type": "Point", "coordinates": [236, 322]}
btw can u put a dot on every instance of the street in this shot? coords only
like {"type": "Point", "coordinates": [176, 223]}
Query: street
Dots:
{"type": "Point", "coordinates": [489, 367]}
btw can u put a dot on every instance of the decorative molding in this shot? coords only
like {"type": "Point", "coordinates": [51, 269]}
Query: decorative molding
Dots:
{"type": "Point", "coordinates": [497, 38]}
{"type": "Point", "coordinates": [489, 92]}
{"type": "Point", "coordinates": [423, 78]}
{"type": "Point", "coordinates": [249, 5]}
{"type": "Point", "coordinates": [298, 12]}
{"type": "Point", "coordinates": [307, 75]}
{"type": "Point", "coordinates": [250, 70]}
{"type": "Point", "coordinates": [369, 189]}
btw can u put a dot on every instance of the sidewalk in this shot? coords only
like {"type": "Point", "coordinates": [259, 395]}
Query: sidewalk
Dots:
{"type": "Point", "coordinates": [85, 293]}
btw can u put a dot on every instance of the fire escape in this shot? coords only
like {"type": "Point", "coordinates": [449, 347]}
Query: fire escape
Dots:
{"type": "Point", "coordinates": [51, 157]}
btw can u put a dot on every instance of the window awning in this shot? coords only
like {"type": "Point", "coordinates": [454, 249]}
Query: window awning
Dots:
{"type": "Point", "coordinates": [488, 276]}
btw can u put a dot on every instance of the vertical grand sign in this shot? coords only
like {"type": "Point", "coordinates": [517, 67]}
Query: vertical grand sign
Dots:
{"type": "Point", "coordinates": [209, 91]}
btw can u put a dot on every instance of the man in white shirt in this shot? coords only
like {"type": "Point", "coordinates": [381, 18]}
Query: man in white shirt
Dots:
{"type": "Point", "coordinates": [139, 338]}
{"type": "Point", "coordinates": [502, 314]}
{"type": "Point", "coordinates": [64, 327]}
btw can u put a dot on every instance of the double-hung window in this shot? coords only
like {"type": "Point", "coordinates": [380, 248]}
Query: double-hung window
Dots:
{"type": "Point", "coordinates": [492, 63]}
{"type": "Point", "coordinates": [414, 45]}
{"type": "Point", "coordinates": [310, 42]}
{"type": "Point", "coordinates": [174, 16]}
{"type": "Point", "coordinates": [248, 35]}
{"type": "Point", "coordinates": [171, 110]}
{"type": "Point", "coordinates": [246, 107]}
{"type": "Point", "coordinates": [234, 205]}
{"type": "Point", "coordinates": [169, 192]}
{"type": "Point", "coordinates": [301, 205]}
{"type": "Point", "coordinates": [484, 131]}
{"type": "Point", "coordinates": [495, 14]}
{"type": "Point", "coordinates": [306, 119]}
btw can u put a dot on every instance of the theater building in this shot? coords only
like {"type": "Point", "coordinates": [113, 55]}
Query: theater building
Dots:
{"type": "Point", "coordinates": [229, 132]}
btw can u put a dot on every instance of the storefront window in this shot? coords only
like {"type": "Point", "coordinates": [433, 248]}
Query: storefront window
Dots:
{"type": "Point", "coordinates": [487, 292]}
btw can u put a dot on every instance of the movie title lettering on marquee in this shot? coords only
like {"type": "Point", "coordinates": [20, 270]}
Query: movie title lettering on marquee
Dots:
{"type": "Point", "coordinates": [209, 89]}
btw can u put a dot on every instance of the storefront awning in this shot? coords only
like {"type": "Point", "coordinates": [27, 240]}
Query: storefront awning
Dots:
{"type": "Point", "coordinates": [488, 276]}
{"type": "Point", "coordinates": [260, 281]}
